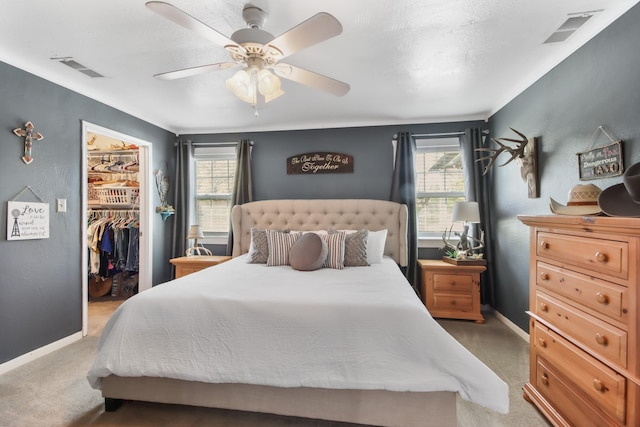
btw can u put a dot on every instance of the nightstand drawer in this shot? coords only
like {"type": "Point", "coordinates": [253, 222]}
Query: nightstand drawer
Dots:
{"type": "Point", "coordinates": [450, 301]}
{"type": "Point", "coordinates": [452, 282]}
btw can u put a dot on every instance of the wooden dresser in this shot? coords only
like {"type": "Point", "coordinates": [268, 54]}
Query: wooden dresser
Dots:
{"type": "Point", "coordinates": [584, 360]}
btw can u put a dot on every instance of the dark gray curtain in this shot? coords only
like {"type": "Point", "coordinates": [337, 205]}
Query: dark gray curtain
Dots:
{"type": "Point", "coordinates": [477, 190]}
{"type": "Point", "coordinates": [243, 188]}
{"type": "Point", "coordinates": [181, 198]}
{"type": "Point", "coordinates": [403, 190]}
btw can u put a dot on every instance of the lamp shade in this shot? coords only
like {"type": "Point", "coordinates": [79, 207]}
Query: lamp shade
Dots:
{"type": "Point", "coordinates": [466, 212]}
{"type": "Point", "coordinates": [195, 232]}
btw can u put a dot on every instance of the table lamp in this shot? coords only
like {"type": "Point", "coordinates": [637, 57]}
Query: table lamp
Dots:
{"type": "Point", "coordinates": [466, 212]}
{"type": "Point", "coordinates": [195, 233]}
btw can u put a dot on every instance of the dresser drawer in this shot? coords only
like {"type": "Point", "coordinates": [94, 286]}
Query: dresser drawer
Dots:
{"type": "Point", "coordinates": [452, 282]}
{"type": "Point", "coordinates": [596, 334]}
{"type": "Point", "coordinates": [451, 301]}
{"type": "Point", "coordinates": [601, 384]}
{"type": "Point", "coordinates": [606, 257]}
{"type": "Point", "coordinates": [573, 407]}
{"type": "Point", "coordinates": [603, 297]}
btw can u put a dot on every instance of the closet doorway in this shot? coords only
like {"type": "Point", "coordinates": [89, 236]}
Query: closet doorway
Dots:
{"type": "Point", "coordinates": [143, 212]}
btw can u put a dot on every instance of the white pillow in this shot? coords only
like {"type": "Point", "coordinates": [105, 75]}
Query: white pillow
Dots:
{"type": "Point", "coordinates": [375, 246]}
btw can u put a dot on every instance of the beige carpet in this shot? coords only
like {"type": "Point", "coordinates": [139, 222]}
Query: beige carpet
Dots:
{"type": "Point", "coordinates": [52, 391]}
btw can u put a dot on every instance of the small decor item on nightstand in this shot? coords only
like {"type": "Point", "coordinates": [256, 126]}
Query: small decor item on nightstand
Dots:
{"type": "Point", "coordinates": [464, 251]}
{"type": "Point", "coordinates": [195, 233]}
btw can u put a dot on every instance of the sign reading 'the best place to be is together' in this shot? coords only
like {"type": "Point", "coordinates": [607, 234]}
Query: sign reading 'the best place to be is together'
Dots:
{"type": "Point", "coordinates": [27, 220]}
{"type": "Point", "coordinates": [319, 162]}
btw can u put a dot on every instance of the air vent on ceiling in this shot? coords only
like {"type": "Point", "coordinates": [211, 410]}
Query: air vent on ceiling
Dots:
{"type": "Point", "coordinates": [569, 26]}
{"type": "Point", "coordinates": [69, 62]}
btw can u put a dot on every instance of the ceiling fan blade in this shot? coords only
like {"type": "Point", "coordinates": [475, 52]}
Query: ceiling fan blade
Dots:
{"type": "Point", "coordinates": [187, 21]}
{"type": "Point", "coordinates": [312, 79]}
{"type": "Point", "coordinates": [194, 71]}
{"type": "Point", "coordinates": [314, 30]}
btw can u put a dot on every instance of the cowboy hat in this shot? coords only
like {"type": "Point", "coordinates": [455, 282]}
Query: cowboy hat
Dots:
{"type": "Point", "coordinates": [582, 200]}
{"type": "Point", "coordinates": [623, 199]}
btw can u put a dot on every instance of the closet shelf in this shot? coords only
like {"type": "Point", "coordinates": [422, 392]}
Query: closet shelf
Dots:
{"type": "Point", "coordinates": [98, 153]}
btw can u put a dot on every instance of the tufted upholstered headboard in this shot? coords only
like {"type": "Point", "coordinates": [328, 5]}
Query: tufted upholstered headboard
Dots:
{"type": "Point", "coordinates": [323, 214]}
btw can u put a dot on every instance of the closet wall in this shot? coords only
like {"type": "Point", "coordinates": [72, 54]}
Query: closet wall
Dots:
{"type": "Point", "coordinates": [113, 201]}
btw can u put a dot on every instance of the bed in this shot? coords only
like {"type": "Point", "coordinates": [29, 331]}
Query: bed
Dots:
{"type": "Point", "coordinates": [350, 344]}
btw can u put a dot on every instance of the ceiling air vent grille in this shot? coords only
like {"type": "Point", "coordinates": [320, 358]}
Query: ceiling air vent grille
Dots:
{"type": "Point", "coordinates": [569, 27]}
{"type": "Point", "coordinates": [69, 62]}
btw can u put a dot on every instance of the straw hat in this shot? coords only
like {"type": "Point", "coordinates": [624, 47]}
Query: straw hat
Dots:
{"type": "Point", "coordinates": [582, 200]}
{"type": "Point", "coordinates": [623, 199]}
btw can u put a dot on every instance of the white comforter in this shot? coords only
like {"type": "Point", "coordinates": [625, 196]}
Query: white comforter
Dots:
{"type": "Point", "coordinates": [357, 328]}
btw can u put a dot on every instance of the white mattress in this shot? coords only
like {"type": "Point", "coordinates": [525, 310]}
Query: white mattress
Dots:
{"type": "Point", "coordinates": [357, 328]}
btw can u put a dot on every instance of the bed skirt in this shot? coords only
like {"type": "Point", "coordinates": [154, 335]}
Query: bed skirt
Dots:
{"type": "Point", "coordinates": [373, 407]}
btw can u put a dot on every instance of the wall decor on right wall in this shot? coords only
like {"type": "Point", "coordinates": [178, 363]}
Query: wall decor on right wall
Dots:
{"type": "Point", "coordinates": [600, 162]}
{"type": "Point", "coordinates": [526, 156]}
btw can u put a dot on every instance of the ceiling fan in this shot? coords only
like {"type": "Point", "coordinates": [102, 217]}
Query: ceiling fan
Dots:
{"type": "Point", "coordinates": [257, 52]}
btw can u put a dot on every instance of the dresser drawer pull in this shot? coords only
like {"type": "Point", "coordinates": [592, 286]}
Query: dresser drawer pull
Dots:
{"type": "Point", "coordinates": [453, 302]}
{"type": "Point", "coordinates": [601, 257]}
{"type": "Point", "coordinates": [542, 343]}
{"type": "Point", "coordinates": [601, 339]}
{"type": "Point", "coordinates": [544, 245]}
{"type": "Point", "coordinates": [544, 276]}
{"type": "Point", "coordinates": [602, 298]}
{"type": "Point", "coordinates": [544, 379]}
{"type": "Point", "coordinates": [453, 283]}
{"type": "Point", "coordinates": [544, 307]}
{"type": "Point", "coordinates": [597, 384]}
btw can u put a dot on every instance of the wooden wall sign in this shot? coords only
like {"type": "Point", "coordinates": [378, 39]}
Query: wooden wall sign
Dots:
{"type": "Point", "coordinates": [320, 162]}
{"type": "Point", "coordinates": [601, 162]}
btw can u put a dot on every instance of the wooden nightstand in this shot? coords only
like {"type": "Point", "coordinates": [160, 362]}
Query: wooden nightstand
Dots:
{"type": "Point", "coordinates": [451, 291]}
{"type": "Point", "coordinates": [190, 264]}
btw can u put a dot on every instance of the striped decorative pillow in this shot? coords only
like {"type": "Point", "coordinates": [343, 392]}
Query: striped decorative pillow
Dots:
{"type": "Point", "coordinates": [335, 246]}
{"type": "Point", "coordinates": [279, 246]}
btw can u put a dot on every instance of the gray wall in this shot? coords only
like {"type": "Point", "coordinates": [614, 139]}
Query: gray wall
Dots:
{"type": "Point", "coordinates": [596, 86]}
{"type": "Point", "coordinates": [370, 147]}
{"type": "Point", "coordinates": [40, 280]}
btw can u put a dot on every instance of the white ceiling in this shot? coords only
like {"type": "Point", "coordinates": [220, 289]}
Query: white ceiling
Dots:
{"type": "Point", "coordinates": [407, 61]}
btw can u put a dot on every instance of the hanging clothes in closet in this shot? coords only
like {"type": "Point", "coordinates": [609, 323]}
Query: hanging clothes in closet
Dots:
{"type": "Point", "coordinates": [113, 242]}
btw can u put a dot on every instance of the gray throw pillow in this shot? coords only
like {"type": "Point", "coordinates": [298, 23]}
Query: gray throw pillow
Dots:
{"type": "Point", "coordinates": [259, 247]}
{"type": "Point", "coordinates": [308, 253]}
{"type": "Point", "coordinates": [355, 248]}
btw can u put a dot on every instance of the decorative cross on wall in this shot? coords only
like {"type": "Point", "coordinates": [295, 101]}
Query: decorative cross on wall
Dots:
{"type": "Point", "coordinates": [29, 135]}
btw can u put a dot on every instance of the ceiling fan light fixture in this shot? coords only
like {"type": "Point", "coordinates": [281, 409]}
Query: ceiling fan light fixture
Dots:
{"type": "Point", "coordinates": [247, 84]}
{"type": "Point", "coordinates": [269, 85]}
{"type": "Point", "coordinates": [241, 86]}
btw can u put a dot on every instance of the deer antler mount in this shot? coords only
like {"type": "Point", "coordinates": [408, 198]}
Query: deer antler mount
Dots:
{"type": "Point", "coordinates": [524, 153]}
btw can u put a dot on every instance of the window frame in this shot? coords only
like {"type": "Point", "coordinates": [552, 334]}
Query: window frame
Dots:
{"type": "Point", "coordinates": [435, 144]}
{"type": "Point", "coordinates": [220, 151]}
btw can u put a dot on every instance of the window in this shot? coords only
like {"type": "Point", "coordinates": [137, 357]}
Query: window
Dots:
{"type": "Point", "coordinates": [439, 184]}
{"type": "Point", "coordinates": [214, 175]}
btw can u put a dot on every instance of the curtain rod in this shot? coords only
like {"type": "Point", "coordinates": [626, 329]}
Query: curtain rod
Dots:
{"type": "Point", "coordinates": [212, 144]}
{"type": "Point", "coordinates": [432, 135]}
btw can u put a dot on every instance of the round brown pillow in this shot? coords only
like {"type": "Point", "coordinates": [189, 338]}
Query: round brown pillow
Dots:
{"type": "Point", "coordinates": [308, 252]}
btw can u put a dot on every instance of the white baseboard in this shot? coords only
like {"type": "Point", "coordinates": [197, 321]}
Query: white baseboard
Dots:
{"type": "Point", "coordinates": [509, 324]}
{"type": "Point", "coordinates": [39, 352]}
